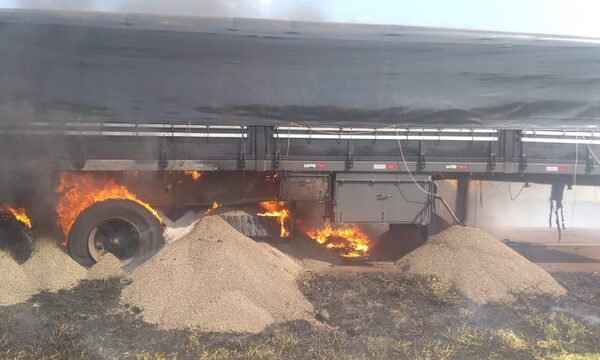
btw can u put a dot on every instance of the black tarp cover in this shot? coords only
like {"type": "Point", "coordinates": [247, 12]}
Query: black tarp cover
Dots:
{"type": "Point", "coordinates": [95, 67]}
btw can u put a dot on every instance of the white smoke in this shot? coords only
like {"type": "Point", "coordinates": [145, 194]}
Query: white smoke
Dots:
{"type": "Point", "coordinates": [292, 10]}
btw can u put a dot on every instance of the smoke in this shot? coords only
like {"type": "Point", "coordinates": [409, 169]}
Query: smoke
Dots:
{"type": "Point", "coordinates": [583, 314]}
{"type": "Point", "coordinates": [492, 206]}
{"type": "Point", "coordinates": [286, 10]}
{"type": "Point", "coordinates": [67, 5]}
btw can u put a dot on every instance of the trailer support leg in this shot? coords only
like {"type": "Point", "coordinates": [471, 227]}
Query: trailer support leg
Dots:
{"type": "Point", "coordinates": [462, 195]}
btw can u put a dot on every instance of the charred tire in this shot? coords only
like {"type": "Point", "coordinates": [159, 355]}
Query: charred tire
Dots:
{"type": "Point", "coordinates": [121, 227]}
{"type": "Point", "coordinates": [15, 239]}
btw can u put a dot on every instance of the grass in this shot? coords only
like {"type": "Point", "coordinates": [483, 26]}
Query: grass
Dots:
{"type": "Point", "coordinates": [511, 339]}
{"type": "Point", "coordinates": [218, 354]}
{"type": "Point", "coordinates": [423, 349]}
{"type": "Point", "coordinates": [68, 342]}
{"type": "Point", "coordinates": [148, 355]}
{"type": "Point", "coordinates": [307, 282]}
{"type": "Point", "coordinates": [373, 316]}
{"type": "Point", "coordinates": [4, 337]}
{"type": "Point", "coordinates": [435, 290]}
{"type": "Point", "coordinates": [65, 342]}
{"type": "Point", "coordinates": [562, 333]}
{"type": "Point", "coordinates": [567, 356]}
{"type": "Point", "coordinates": [467, 338]}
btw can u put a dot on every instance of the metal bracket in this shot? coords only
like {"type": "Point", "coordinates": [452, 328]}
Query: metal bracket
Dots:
{"type": "Point", "coordinates": [242, 157]}
{"type": "Point", "coordinates": [81, 156]}
{"type": "Point", "coordinates": [523, 163]}
{"type": "Point", "coordinates": [277, 159]}
{"type": "Point", "coordinates": [350, 160]}
{"type": "Point", "coordinates": [492, 161]}
{"type": "Point", "coordinates": [242, 153]}
{"type": "Point", "coordinates": [277, 155]}
{"type": "Point", "coordinates": [589, 166]}
{"type": "Point", "coordinates": [422, 161]}
{"type": "Point", "coordinates": [162, 161]}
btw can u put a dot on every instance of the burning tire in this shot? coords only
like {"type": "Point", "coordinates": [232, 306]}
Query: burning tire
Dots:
{"type": "Point", "coordinates": [121, 227]}
{"type": "Point", "coordinates": [15, 238]}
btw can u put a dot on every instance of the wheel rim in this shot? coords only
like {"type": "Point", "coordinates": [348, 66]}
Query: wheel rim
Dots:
{"type": "Point", "coordinates": [118, 236]}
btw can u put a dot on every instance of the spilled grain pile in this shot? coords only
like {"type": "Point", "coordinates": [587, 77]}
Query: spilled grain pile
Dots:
{"type": "Point", "coordinates": [216, 279]}
{"type": "Point", "coordinates": [48, 268]}
{"type": "Point", "coordinates": [481, 267]}
{"type": "Point", "coordinates": [15, 285]}
{"type": "Point", "coordinates": [107, 267]}
{"type": "Point", "coordinates": [51, 268]}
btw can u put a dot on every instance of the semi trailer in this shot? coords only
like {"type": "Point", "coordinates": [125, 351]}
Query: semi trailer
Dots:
{"type": "Point", "coordinates": [361, 118]}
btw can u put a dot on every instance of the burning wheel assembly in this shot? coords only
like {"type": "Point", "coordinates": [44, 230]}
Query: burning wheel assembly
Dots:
{"type": "Point", "coordinates": [15, 234]}
{"type": "Point", "coordinates": [121, 227]}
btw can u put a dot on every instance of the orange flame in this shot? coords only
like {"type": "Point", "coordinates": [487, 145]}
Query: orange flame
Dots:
{"type": "Point", "coordinates": [272, 177]}
{"type": "Point", "coordinates": [277, 210]}
{"type": "Point", "coordinates": [349, 239]}
{"type": "Point", "coordinates": [18, 213]}
{"type": "Point", "coordinates": [79, 191]}
{"type": "Point", "coordinates": [196, 175]}
{"type": "Point", "coordinates": [215, 205]}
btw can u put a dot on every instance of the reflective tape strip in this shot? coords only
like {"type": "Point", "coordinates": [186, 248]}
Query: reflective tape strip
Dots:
{"type": "Point", "coordinates": [562, 133]}
{"type": "Point", "coordinates": [126, 133]}
{"type": "Point", "coordinates": [139, 125]}
{"type": "Point", "coordinates": [385, 130]}
{"type": "Point", "coordinates": [130, 129]}
{"type": "Point", "coordinates": [386, 167]}
{"type": "Point", "coordinates": [315, 166]}
{"type": "Point", "coordinates": [553, 168]}
{"type": "Point", "coordinates": [384, 137]}
{"type": "Point", "coordinates": [561, 141]}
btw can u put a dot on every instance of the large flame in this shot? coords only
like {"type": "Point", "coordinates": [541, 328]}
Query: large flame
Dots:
{"type": "Point", "coordinates": [18, 213]}
{"type": "Point", "coordinates": [350, 240]}
{"type": "Point", "coordinates": [277, 210]}
{"type": "Point", "coordinates": [79, 191]}
{"type": "Point", "coordinates": [196, 175]}
{"type": "Point", "coordinates": [215, 205]}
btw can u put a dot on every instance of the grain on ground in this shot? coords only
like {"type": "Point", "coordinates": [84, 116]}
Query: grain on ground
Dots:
{"type": "Point", "coordinates": [48, 268]}
{"type": "Point", "coordinates": [107, 267]}
{"type": "Point", "coordinates": [51, 268]}
{"type": "Point", "coordinates": [15, 285]}
{"type": "Point", "coordinates": [481, 267]}
{"type": "Point", "coordinates": [216, 279]}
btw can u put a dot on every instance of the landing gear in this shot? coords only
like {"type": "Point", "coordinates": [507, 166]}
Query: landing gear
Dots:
{"type": "Point", "coordinates": [556, 207]}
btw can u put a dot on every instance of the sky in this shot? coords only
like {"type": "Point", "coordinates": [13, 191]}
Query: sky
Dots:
{"type": "Point", "coordinates": [563, 17]}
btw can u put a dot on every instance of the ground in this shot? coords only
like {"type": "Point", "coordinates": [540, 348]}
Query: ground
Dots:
{"type": "Point", "coordinates": [360, 315]}
{"type": "Point", "coordinates": [362, 312]}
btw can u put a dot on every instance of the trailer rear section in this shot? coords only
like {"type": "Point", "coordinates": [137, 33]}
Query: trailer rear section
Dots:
{"type": "Point", "coordinates": [111, 124]}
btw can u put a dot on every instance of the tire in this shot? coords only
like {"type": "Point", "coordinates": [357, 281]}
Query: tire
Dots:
{"type": "Point", "coordinates": [15, 239]}
{"type": "Point", "coordinates": [246, 224]}
{"type": "Point", "coordinates": [102, 226]}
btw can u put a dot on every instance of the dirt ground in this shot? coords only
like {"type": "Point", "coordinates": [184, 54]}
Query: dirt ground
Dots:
{"type": "Point", "coordinates": [362, 311]}
{"type": "Point", "coordinates": [360, 315]}
{"type": "Point", "coordinates": [578, 250]}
